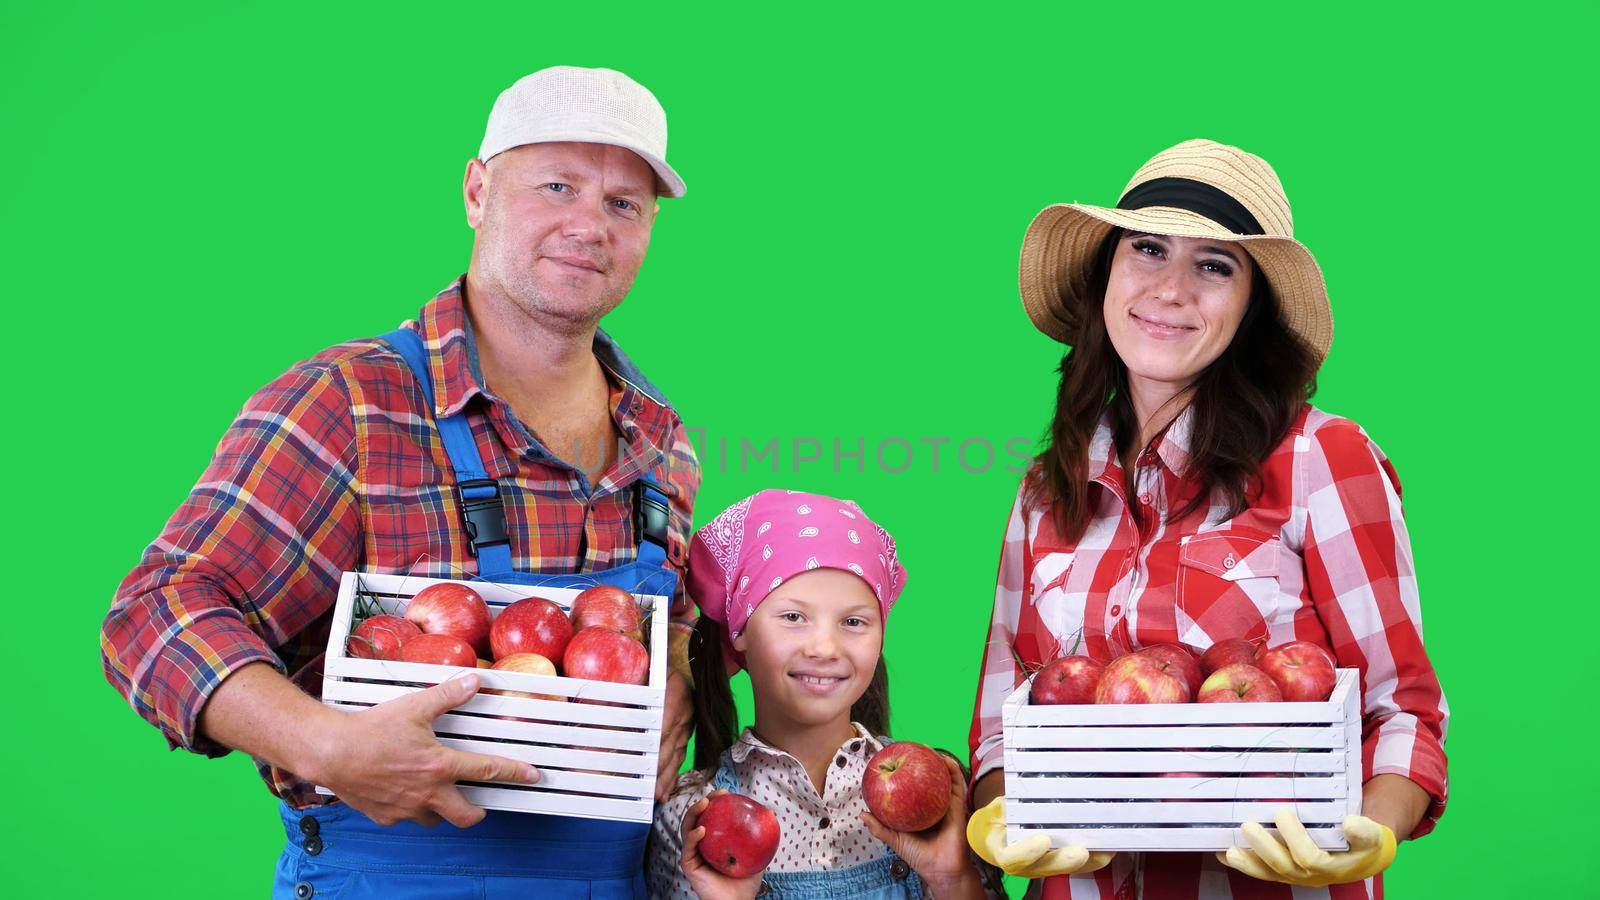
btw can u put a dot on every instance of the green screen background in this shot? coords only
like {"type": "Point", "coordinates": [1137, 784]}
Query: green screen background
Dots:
{"type": "Point", "coordinates": [199, 196]}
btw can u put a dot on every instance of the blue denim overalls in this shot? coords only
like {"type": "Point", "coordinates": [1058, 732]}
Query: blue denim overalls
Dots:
{"type": "Point", "coordinates": [335, 851]}
{"type": "Point", "coordinates": [886, 878]}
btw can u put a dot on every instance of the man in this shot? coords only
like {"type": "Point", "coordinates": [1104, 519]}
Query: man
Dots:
{"type": "Point", "coordinates": [339, 465]}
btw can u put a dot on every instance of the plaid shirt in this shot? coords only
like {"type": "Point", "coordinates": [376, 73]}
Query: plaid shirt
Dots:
{"type": "Point", "coordinates": [336, 465]}
{"type": "Point", "coordinates": [1323, 556]}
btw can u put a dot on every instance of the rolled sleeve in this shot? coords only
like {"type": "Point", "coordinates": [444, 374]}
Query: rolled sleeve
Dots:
{"type": "Point", "coordinates": [248, 561]}
{"type": "Point", "coordinates": [1364, 588]}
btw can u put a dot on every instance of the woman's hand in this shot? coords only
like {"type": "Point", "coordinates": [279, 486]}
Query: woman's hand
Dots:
{"type": "Point", "coordinates": [1296, 860]}
{"type": "Point", "coordinates": [938, 855]}
{"type": "Point", "coordinates": [1032, 857]}
{"type": "Point", "coordinates": [708, 883]}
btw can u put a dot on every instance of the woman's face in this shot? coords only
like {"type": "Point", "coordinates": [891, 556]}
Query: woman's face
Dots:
{"type": "Point", "coordinates": [1174, 303]}
{"type": "Point", "coordinates": [812, 646]}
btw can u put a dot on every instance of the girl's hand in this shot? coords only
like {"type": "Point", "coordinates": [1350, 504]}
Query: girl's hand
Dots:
{"type": "Point", "coordinates": [708, 883]}
{"type": "Point", "coordinates": [938, 855]}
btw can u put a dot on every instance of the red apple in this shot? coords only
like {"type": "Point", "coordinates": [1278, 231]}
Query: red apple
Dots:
{"type": "Point", "coordinates": [1178, 660]}
{"type": "Point", "coordinates": [453, 609]}
{"type": "Point", "coordinates": [1137, 678]}
{"type": "Point", "coordinates": [1239, 683]}
{"type": "Point", "coordinates": [608, 606]}
{"type": "Point", "coordinates": [533, 625]}
{"type": "Point", "coordinates": [1303, 670]}
{"type": "Point", "coordinates": [601, 654]}
{"type": "Point", "coordinates": [907, 786]}
{"type": "Point", "coordinates": [1070, 679]}
{"type": "Point", "coordinates": [439, 649]}
{"type": "Point", "coordinates": [1226, 653]}
{"type": "Point", "coordinates": [533, 664]}
{"type": "Point", "coordinates": [741, 835]}
{"type": "Point", "coordinates": [381, 637]}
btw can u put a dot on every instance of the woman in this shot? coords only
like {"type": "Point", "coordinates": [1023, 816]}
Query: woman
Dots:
{"type": "Point", "coordinates": [1189, 494]}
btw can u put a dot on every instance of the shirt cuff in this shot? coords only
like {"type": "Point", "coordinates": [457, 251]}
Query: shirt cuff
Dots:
{"type": "Point", "coordinates": [193, 662]}
{"type": "Point", "coordinates": [1415, 756]}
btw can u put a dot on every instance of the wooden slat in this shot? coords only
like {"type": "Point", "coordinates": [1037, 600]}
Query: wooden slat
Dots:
{"type": "Point", "coordinates": [550, 803]}
{"type": "Point", "coordinates": [392, 672]}
{"type": "Point", "coordinates": [1024, 813]}
{"type": "Point", "coordinates": [563, 757]}
{"type": "Point", "coordinates": [1262, 737]}
{"type": "Point", "coordinates": [1163, 839]}
{"type": "Point", "coordinates": [1221, 787]}
{"type": "Point", "coordinates": [546, 710]}
{"type": "Point", "coordinates": [1112, 761]}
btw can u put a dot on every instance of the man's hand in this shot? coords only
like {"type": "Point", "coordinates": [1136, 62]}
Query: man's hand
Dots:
{"type": "Point", "coordinates": [708, 883]}
{"type": "Point", "coordinates": [675, 728]}
{"type": "Point", "coordinates": [386, 762]}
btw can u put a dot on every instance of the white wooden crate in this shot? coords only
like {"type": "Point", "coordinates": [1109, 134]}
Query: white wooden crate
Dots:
{"type": "Point", "coordinates": [598, 760]}
{"type": "Point", "coordinates": [1106, 777]}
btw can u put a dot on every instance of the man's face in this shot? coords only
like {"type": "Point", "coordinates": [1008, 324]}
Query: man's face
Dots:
{"type": "Point", "coordinates": [562, 228]}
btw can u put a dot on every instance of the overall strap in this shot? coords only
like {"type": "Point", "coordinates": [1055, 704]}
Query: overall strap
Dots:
{"type": "Point", "coordinates": [725, 778]}
{"type": "Point", "coordinates": [652, 517]}
{"type": "Point", "coordinates": [483, 517]}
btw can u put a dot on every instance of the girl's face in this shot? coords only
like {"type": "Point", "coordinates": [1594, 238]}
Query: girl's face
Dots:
{"type": "Point", "coordinates": [1173, 304]}
{"type": "Point", "coordinates": [812, 646]}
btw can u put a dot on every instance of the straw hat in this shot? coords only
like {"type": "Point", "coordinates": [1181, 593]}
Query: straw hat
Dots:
{"type": "Point", "coordinates": [1198, 188]}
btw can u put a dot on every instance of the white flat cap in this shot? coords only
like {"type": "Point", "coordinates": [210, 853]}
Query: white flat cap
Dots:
{"type": "Point", "coordinates": [592, 106]}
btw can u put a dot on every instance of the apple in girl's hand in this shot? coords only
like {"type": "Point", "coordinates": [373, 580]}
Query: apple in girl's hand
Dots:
{"type": "Point", "coordinates": [1239, 683]}
{"type": "Point", "coordinates": [907, 786]}
{"type": "Point", "coordinates": [381, 637]}
{"type": "Point", "coordinates": [1177, 659]}
{"type": "Point", "coordinates": [453, 609]}
{"type": "Point", "coordinates": [741, 835]}
{"type": "Point", "coordinates": [532, 625]}
{"type": "Point", "coordinates": [608, 606]}
{"type": "Point", "coordinates": [531, 663]}
{"type": "Point", "coordinates": [605, 655]}
{"type": "Point", "coordinates": [439, 649]}
{"type": "Point", "coordinates": [1303, 670]}
{"type": "Point", "coordinates": [1070, 679]}
{"type": "Point", "coordinates": [1137, 678]}
{"type": "Point", "coordinates": [1226, 653]}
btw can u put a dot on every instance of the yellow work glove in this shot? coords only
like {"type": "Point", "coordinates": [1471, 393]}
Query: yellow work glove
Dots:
{"type": "Point", "coordinates": [1295, 860]}
{"type": "Point", "coordinates": [1028, 858]}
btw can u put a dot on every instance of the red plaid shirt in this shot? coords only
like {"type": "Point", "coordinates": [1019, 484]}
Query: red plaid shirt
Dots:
{"type": "Point", "coordinates": [1323, 555]}
{"type": "Point", "coordinates": [336, 465]}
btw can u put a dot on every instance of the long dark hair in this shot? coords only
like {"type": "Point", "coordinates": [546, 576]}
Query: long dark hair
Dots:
{"type": "Point", "coordinates": [716, 719]}
{"type": "Point", "coordinates": [1244, 404]}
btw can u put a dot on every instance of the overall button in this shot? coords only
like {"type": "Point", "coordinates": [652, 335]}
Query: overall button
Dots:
{"type": "Point", "coordinates": [313, 845]}
{"type": "Point", "coordinates": [899, 869]}
{"type": "Point", "coordinates": [309, 826]}
{"type": "Point", "coordinates": [304, 891]}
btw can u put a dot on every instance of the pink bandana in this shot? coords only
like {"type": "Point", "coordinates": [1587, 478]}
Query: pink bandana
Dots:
{"type": "Point", "coordinates": [753, 546]}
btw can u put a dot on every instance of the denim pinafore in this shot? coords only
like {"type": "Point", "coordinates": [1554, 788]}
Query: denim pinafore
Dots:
{"type": "Point", "coordinates": [886, 878]}
{"type": "Point", "coordinates": [336, 852]}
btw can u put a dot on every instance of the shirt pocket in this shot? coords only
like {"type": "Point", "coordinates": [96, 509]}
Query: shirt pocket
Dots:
{"type": "Point", "coordinates": [1227, 585]}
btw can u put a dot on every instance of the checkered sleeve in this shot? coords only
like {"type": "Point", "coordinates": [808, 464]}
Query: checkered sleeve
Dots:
{"type": "Point", "coordinates": [1000, 674]}
{"type": "Point", "coordinates": [683, 482]}
{"type": "Point", "coordinates": [1359, 572]}
{"type": "Point", "coordinates": [250, 559]}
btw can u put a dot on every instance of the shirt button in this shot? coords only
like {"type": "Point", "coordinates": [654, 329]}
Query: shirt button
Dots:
{"type": "Point", "coordinates": [1145, 498]}
{"type": "Point", "coordinates": [313, 845]}
{"type": "Point", "coordinates": [822, 822]}
{"type": "Point", "coordinates": [309, 826]}
{"type": "Point", "coordinates": [1116, 609]}
{"type": "Point", "coordinates": [839, 761]}
{"type": "Point", "coordinates": [899, 869]}
{"type": "Point", "coordinates": [304, 891]}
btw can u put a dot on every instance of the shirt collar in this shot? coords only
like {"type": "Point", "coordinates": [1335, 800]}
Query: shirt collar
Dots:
{"type": "Point", "coordinates": [643, 415]}
{"type": "Point", "coordinates": [1171, 446]}
{"type": "Point", "coordinates": [864, 744]}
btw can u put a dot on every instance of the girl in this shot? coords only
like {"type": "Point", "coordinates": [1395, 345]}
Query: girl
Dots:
{"type": "Point", "coordinates": [796, 589]}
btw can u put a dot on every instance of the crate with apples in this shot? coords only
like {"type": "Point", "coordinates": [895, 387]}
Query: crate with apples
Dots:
{"type": "Point", "coordinates": [1163, 750]}
{"type": "Point", "coordinates": [572, 681]}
